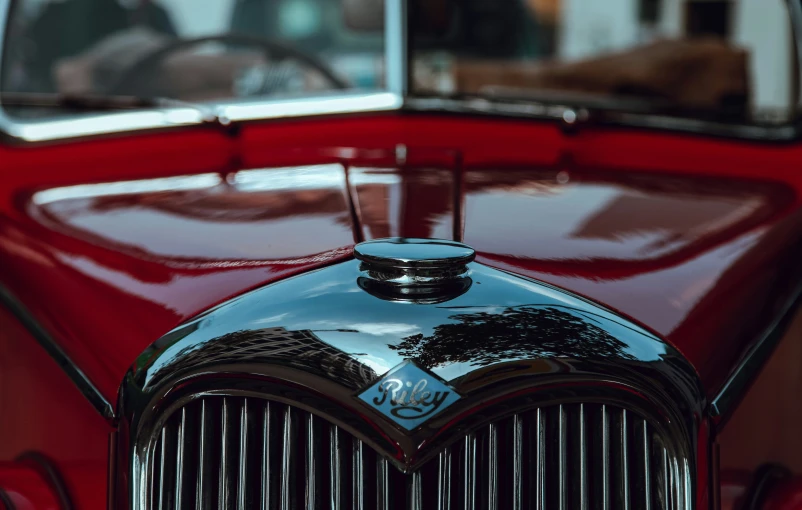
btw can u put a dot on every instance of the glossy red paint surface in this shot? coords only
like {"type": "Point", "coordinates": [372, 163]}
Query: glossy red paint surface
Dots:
{"type": "Point", "coordinates": [694, 238]}
{"type": "Point", "coordinates": [786, 495]}
{"type": "Point", "coordinates": [25, 488]}
{"type": "Point", "coordinates": [42, 411]}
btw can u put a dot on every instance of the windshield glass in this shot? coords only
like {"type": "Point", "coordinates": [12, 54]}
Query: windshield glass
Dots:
{"type": "Point", "coordinates": [725, 59]}
{"type": "Point", "coordinates": [192, 50]}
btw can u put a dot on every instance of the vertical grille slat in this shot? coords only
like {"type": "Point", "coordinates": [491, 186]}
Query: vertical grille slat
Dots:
{"type": "Point", "coordinates": [623, 430]}
{"type": "Point", "coordinates": [540, 463]}
{"type": "Point", "coordinates": [242, 476]}
{"type": "Point", "coordinates": [334, 467]}
{"type": "Point", "coordinates": [382, 485]}
{"type": "Point", "coordinates": [310, 463]}
{"type": "Point", "coordinates": [357, 485]}
{"type": "Point", "coordinates": [469, 472]}
{"type": "Point", "coordinates": [287, 456]}
{"type": "Point", "coordinates": [163, 460]}
{"type": "Point", "coordinates": [444, 480]}
{"type": "Point", "coordinates": [416, 492]}
{"type": "Point", "coordinates": [561, 462]}
{"type": "Point", "coordinates": [605, 459]}
{"type": "Point", "coordinates": [266, 495]}
{"type": "Point", "coordinates": [223, 491]}
{"type": "Point", "coordinates": [179, 459]}
{"type": "Point", "coordinates": [242, 452]}
{"type": "Point", "coordinates": [492, 469]}
{"type": "Point", "coordinates": [200, 494]}
{"type": "Point", "coordinates": [647, 482]}
{"type": "Point", "coordinates": [583, 457]}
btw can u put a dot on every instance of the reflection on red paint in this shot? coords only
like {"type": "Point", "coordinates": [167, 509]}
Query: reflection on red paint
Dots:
{"type": "Point", "coordinates": [408, 203]}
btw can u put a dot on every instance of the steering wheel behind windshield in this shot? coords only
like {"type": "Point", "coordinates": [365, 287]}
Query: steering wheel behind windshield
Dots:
{"type": "Point", "coordinates": [274, 50]}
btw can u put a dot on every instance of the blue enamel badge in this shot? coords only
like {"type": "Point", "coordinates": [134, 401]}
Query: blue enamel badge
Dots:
{"type": "Point", "coordinates": [409, 396]}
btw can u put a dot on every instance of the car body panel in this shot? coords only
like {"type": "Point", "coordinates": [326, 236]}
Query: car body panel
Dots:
{"type": "Point", "coordinates": [54, 420]}
{"type": "Point", "coordinates": [82, 274]}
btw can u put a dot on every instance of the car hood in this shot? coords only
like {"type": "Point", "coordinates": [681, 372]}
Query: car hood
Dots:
{"type": "Point", "coordinates": [702, 262]}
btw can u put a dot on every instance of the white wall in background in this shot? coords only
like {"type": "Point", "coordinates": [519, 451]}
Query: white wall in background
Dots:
{"type": "Point", "coordinates": [591, 27]}
{"type": "Point", "coordinates": [762, 27]}
{"type": "Point", "coordinates": [194, 18]}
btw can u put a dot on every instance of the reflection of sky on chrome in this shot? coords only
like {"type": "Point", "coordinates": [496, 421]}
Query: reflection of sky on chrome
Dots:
{"type": "Point", "coordinates": [385, 328]}
{"type": "Point", "coordinates": [369, 345]}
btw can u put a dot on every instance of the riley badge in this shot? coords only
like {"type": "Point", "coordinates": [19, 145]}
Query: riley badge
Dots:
{"type": "Point", "coordinates": [409, 396]}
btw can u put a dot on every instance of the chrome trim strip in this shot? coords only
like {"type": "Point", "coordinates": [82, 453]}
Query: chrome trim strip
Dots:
{"type": "Point", "coordinates": [243, 455]}
{"type": "Point", "coordinates": [556, 112]}
{"type": "Point", "coordinates": [100, 124]}
{"type": "Point", "coordinates": [129, 122]}
{"type": "Point", "coordinates": [43, 338]}
{"type": "Point", "coordinates": [733, 390]}
{"type": "Point", "coordinates": [223, 496]}
{"type": "Point", "coordinates": [395, 46]}
{"type": "Point", "coordinates": [179, 460]}
{"type": "Point", "coordinates": [312, 106]}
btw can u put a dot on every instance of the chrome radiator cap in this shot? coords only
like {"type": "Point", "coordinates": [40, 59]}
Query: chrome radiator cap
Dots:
{"type": "Point", "coordinates": [415, 270]}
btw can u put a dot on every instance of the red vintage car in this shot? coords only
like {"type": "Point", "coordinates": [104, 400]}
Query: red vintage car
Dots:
{"type": "Point", "coordinates": [441, 254]}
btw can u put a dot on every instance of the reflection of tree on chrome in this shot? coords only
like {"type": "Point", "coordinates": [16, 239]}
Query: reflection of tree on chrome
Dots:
{"type": "Point", "coordinates": [484, 338]}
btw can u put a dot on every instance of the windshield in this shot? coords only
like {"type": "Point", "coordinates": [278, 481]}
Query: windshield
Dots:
{"type": "Point", "coordinates": [727, 59]}
{"type": "Point", "coordinates": [193, 50]}
{"type": "Point", "coordinates": [731, 60]}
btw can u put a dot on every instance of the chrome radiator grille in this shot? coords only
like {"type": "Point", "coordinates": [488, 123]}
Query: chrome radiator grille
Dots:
{"type": "Point", "coordinates": [231, 452]}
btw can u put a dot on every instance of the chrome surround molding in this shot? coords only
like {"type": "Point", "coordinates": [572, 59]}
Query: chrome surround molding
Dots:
{"type": "Point", "coordinates": [315, 340]}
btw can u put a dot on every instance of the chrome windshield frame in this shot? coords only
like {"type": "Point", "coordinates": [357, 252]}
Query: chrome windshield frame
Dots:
{"type": "Point", "coordinates": [108, 123]}
{"type": "Point", "coordinates": [395, 96]}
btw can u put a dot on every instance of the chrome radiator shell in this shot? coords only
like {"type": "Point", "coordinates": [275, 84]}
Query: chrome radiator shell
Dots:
{"type": "Point", "coordinates": [509, 345]}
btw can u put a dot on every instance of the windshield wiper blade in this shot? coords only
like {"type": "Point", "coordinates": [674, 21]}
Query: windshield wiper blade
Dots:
{"type": "Point", "coordinates": [93, 102]}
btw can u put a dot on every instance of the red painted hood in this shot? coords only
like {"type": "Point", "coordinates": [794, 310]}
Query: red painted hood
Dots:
{"type": "Point", "coordinates": [704, 260]}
